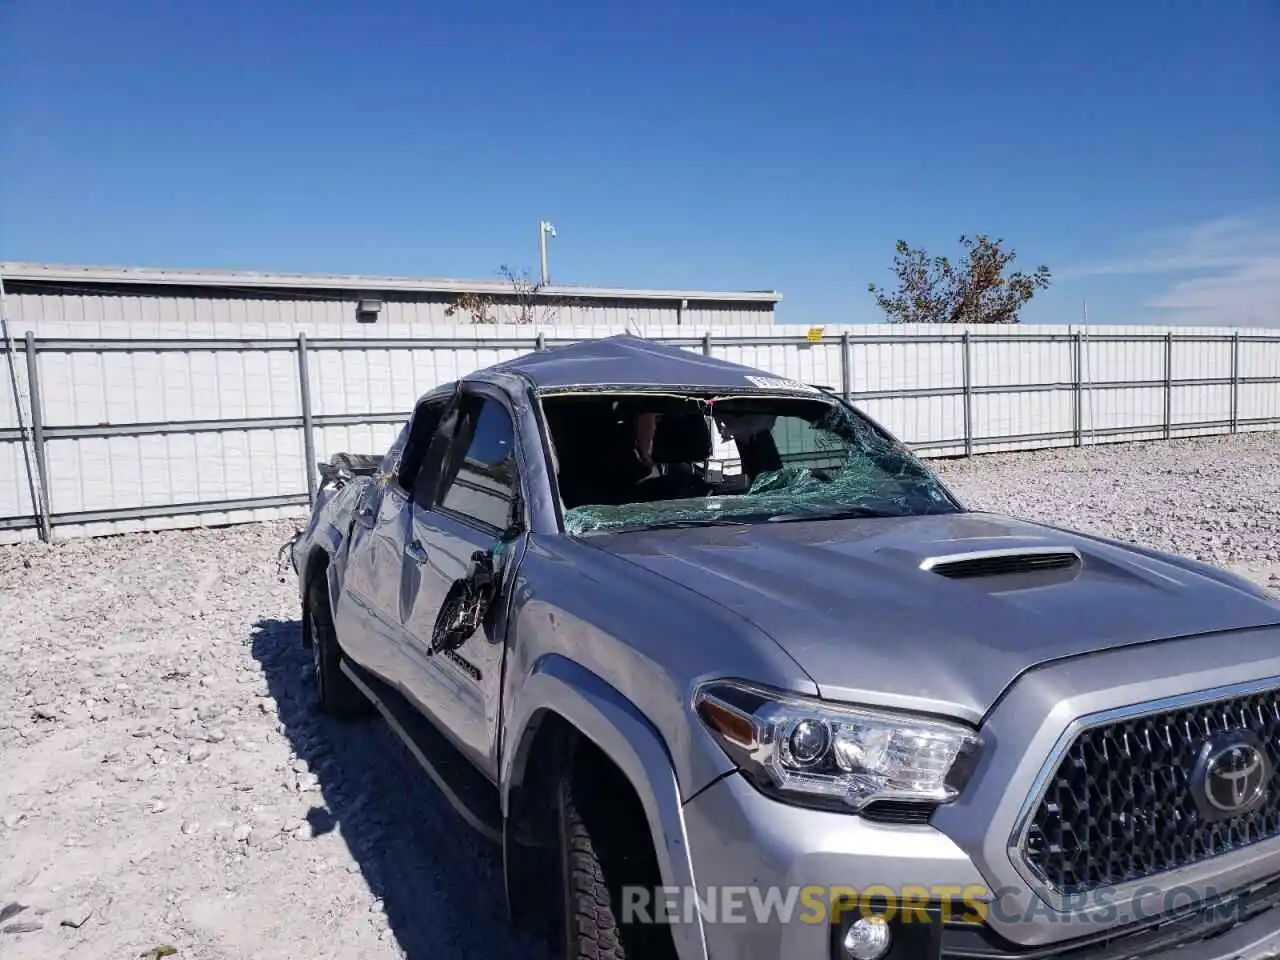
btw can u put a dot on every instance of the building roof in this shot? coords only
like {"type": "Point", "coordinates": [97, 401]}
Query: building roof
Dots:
{"type": "Point", "coordinates": [238, 279]}
{"type": "Point", "coordinates": [625, 360]}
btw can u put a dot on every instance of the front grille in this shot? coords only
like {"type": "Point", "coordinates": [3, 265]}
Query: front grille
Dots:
{"type": "Point", "coordinates": [1120, 807]}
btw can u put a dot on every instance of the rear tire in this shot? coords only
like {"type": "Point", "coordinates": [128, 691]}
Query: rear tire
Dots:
{"type": "Point", "coordinates": [335, 693]}
{"type": "Point", "coordinates": [600, 853]}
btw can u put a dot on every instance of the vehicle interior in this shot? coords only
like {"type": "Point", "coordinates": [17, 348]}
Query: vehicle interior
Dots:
{"type": "Point", "coordinates": [596, 439]}
{"type": "Point", "coordinates": [627, 460]}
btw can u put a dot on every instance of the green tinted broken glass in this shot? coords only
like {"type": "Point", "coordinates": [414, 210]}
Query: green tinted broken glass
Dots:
{"type": "Point", "coordinates": [833, 464]}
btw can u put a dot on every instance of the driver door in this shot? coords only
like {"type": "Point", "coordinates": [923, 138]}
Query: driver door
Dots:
{"type": "Point", "coordinates": [466, 504]}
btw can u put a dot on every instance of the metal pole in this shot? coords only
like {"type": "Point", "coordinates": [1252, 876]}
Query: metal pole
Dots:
{"type": "Point", "coordinates": [308, 427]}
{"type": "Point", "coordinates": [542, 250]}
{"type": "Point", "coordinates": [1086, 383]}
{"type": "Point", "coordinates": [33, 487]}
{"type": "Point", "coordinates": [968, 397]}
{"type": "Point", "coordinates": [706, 344]}
{"type": "Point", "coordinates": [1168, 384]}
{"type": "Point", "coordinates": [1077, 379]}
{"type": "Point", "coordinates": [43, 509]}
{"type": "Point", "coordinates": [846, 375]}
{"type": "Point", "coordinates": [1235, 382]}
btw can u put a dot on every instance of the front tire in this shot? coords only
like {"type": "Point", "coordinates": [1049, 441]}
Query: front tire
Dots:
{"type": "Point", "coordinates": [335, 693]}
{"type": "Point", "coordinates": [600, 854]}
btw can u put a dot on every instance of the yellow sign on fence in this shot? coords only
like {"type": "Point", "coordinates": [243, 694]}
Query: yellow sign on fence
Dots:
{"type": "Point", "coordinates": [814, 335]}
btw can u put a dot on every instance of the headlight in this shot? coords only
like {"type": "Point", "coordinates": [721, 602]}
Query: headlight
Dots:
{"type": "Point", "coordinates": [836, 755]}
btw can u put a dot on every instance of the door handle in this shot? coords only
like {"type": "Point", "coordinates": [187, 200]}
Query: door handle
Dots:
{"type": "Point", "coordinates": [416, 552]}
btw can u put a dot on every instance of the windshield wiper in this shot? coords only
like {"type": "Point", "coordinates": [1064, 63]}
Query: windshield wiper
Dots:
{"type": "Point", "coordinates": [844, 513]}
{"type": "Point", "coordinates": [677, 524]}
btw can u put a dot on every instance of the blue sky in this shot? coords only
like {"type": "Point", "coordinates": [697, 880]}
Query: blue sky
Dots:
{"type": "Point", "coordinates": [1132, 147]}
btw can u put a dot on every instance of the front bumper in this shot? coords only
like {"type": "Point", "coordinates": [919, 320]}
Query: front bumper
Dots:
{"type": "Point", "coordinates": [973, 849]}
{"type": "Point", "coordinates": [768, 873]}
{"type": "Point", "coordinates": [768, 876]}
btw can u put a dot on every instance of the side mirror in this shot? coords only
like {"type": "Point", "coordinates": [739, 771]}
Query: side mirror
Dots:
{"type": "Point", "coordinates": [468, 601]}
{"type": "Point", "coordinates": [465, 605]}
{"type": "Point", "coordinates": [460, 616]}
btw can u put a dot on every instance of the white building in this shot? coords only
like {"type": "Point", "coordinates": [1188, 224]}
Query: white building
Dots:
{"type": "Point", "coordinates": [54, 300]}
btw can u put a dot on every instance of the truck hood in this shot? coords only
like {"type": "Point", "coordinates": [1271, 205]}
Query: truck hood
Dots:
{"type": "Point", "coordinates": [850, 601]}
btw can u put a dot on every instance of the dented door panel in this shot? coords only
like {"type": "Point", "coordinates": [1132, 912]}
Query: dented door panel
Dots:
{"type": "Point", "coordinates": [367, 615]}
{"type": "Point", "coordinates": [460, 689]}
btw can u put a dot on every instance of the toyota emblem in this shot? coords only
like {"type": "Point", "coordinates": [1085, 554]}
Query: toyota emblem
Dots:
{"type": "Point", "coordinates": [1231, 775]}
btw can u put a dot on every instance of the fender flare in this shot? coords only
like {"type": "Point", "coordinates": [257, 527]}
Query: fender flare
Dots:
{"type": "Point", "coordinates": [319, 551]}
{"type": "Point", "coordinates": [601, 714]}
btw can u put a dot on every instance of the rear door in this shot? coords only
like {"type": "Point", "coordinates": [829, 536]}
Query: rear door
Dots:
{"type": "Point", "coordinates": [467, 505]}
{"type": "Point", "coordinates": [369, 612]}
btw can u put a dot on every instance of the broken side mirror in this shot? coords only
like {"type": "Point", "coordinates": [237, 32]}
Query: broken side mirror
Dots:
{"type": "Point", "coordinates": [469, 598]}
{"type": "Point", "coordinates": [465, 605]}
{"type": "Point", "coordinates": [460, 616]}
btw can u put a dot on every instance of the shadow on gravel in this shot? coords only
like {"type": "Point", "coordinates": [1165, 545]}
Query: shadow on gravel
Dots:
{"type": "Point", "coordinates": [440, 884]}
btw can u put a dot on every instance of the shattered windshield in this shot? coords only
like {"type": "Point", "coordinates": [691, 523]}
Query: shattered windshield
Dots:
{"type": "Point", "coordinates": [630, 463]}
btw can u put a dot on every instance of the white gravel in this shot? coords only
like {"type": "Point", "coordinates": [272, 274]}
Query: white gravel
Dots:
{"type": "Point", "coordinates": [1213, 498]}
{"type": "Point", "coordinates": [163, 768]}
{"type": "Point", "coordinates": [165, 780]}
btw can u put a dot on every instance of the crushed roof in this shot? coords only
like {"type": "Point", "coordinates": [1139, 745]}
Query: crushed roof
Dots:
{"type": "Point", "coordinates": [625, 360]}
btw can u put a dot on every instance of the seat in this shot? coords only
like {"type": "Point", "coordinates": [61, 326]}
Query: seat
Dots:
{"type": "Point", "coordinates": [682, 437]}
{"type": "Point", "coordinates": [596, 456]}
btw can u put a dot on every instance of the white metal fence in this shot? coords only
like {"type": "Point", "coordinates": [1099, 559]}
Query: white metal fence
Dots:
{"type": "Point", "coordinates": [112, 435]}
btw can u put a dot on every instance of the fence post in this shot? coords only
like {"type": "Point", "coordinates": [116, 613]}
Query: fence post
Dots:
{"type": "Point", "coordinates": [1077, 388]}
{"type": "Point", "coordinates": [540, 342]}
{"type": "Point", "coordinates": [968, 397]}
{"type": "Point", "coordinates": [1235, 382]}
{"type": "Point", "coordinates": [706, 344]}
{"type": "Point", "coordinates": [846, 377]}
{"type": "Point", "coordinates": [1168, 384]}
{"type": "Point", "coordinates": [44, 519]}
{"type": "Point", "coordinates": [308, 427]}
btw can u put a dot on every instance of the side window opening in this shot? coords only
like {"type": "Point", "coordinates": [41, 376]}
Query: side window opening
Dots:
{"type": "Point", "coordinates": [422, 427]}
{"type": "Point", "coordinates": [478, 478]}
{"type": "Point", "coordinates": [436, 449]}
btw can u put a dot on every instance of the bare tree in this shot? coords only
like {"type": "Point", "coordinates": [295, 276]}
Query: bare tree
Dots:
{"type": "Point", "coordinates": [525, 303]}
{"type": "Point", "coordinates": [532, 305]}
{"type": "Point", "coordinates": [477, 306]}
{"type": "Point", "coordinates": [934, 290]}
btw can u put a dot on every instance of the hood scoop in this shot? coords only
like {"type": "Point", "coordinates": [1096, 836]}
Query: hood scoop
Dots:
{"type": "Point", "coordinates": [1002, 562]}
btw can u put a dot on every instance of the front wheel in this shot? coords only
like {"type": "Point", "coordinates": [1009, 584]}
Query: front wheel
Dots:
{"type": "Point", "coordinates": [335, 692]}
{"type": "Point", "coordinates": [601, 854]}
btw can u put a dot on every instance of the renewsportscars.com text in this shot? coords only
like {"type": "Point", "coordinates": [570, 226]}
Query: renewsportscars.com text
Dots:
{"type": "Point", "coordinates": [908, 904]}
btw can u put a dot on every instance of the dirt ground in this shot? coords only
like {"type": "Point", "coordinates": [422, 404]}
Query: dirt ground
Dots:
{"type": "Point", "coordinates": [166, 781]}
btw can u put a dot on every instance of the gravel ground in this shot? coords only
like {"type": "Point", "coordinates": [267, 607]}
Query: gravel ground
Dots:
{"type": "Point", "coordinates": [1213, 498]}
{"type": "Point", "coordinates": [166, 781]}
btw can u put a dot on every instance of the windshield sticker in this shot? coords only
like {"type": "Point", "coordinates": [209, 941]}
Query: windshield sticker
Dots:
{"type": "Point", "coordinates": [780, 383]}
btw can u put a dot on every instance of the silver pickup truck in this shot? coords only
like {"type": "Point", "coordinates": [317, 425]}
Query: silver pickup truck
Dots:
{"type": "Point", "coordinates": [729, 673]}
